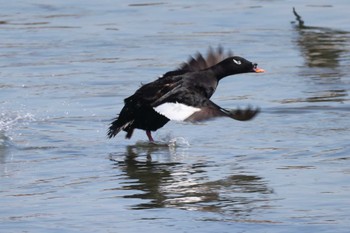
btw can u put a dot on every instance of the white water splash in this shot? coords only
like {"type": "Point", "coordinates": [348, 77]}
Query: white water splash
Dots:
{"type": "Point", "coordinates": [8, 121]}
{"type": "Point", "coordinates": [169, 140]}
{"type": "Point", "coordinates": [178, 142]}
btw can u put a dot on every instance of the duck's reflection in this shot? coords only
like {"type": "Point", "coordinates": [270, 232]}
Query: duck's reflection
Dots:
{"type": "Point", "coordinates": [180, 184]}
{"type": "Point", "coordinates": [325, 51]}
{"type": "Point", "coordinates": [144, 177]}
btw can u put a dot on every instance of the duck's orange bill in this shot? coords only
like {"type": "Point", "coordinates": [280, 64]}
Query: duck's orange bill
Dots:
{"type": "Point", "coordinates": [259, 70]}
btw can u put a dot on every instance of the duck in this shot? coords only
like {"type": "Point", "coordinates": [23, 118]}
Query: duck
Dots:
{"type": "Point", "coordinates": [183, 94]}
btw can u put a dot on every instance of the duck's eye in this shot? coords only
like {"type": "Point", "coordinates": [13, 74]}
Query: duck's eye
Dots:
{"type": "Point", "coordinates": [255, 65]}
{"type": "Point", "coordinates": [238, 62]}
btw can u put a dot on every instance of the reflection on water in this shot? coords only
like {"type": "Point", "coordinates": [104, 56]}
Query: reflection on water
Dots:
{"type": "Point", "coordinates": [186, 186]}
{"type": "Point", "coordinates": [146, 176]}
{"type": "Point", "coordinates": [4, 141]}
{"type": "Point", "coordinates": [324, 51]}
{"type": "Point", "coordinates": [321, 47]}
{"type": "Point", "coordinates": [325, 96]}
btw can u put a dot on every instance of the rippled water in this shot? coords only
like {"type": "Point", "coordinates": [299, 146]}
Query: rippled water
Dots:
{"type": "Point", "coordinates": [65, 68]}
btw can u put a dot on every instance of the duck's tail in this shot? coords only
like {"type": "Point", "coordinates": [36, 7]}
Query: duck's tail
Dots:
{"type": "Point", "coordinates": [125, 121]}
{"type": "Point", "coordinates": [116, 126]}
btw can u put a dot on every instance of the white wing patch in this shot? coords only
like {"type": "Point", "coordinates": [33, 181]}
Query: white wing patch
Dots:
{"type": "Point", "coordinates": [176, 111]}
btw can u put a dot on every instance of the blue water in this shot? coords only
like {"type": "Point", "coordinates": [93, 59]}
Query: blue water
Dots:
{"type": "Point", "coordinates": [65, 68]}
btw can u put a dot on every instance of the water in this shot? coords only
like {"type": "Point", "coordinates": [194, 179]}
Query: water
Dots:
{"type": "Point", "coordinates": [66, 67]}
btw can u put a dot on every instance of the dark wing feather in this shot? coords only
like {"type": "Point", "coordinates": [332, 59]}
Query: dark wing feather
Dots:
{"type": "Point", "coordinates": [243, 114]}
{"type": "Point", "coordinates": [206, 113]}
{"type": "Point", "coordinates": [198, 62]}
{"type": "Point", "coordinates": [211, 110]}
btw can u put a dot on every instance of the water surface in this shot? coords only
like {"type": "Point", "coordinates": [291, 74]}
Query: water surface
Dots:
{"type": "Point", "coordinates": [65, 68]}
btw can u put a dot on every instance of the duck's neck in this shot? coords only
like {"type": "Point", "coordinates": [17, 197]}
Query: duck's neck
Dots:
{"type": "Point", "coordinates": [220, 72]}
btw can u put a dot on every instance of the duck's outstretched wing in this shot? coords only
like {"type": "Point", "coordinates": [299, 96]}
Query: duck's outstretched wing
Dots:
{"type": "Point", "coordinates": [201, 110]}
{"type": "Point", "coordinates": [200, 62]}
{"type": "Point", "coordinates": [211, 110]}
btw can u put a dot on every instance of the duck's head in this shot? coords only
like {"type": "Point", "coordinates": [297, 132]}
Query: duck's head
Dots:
{"type": "Point", "coordinates": [235, 65]}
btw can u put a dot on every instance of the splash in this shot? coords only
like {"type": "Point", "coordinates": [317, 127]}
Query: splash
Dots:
{"type": "Point", "coordinates": [172, 142]}
{"type": "Point", "coordinates": [166, 141]}
{"type": "Point", "coordinates": [8, 121]}
{"type": "Point", "coordinates": [178, 142]}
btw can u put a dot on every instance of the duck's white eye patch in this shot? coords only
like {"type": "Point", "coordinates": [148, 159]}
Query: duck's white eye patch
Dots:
{"type": "Point", "coordinates": [237, 61]}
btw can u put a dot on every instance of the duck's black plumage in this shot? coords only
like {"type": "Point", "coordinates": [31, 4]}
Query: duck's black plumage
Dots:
{"type": "Point", "coordinates": [183, 94]}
